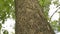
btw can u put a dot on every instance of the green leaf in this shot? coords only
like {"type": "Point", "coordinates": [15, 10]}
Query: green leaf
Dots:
{"type": "Point", "coordinates": [58, 28]}
{"type": "Point", "coordinates": [3, 21]}
{"type": "Point", "coordinates": [5, 32]}
{"type": "Point", "coordinates": [44, 3]}
{"type": "Point", "coordinates": [0, 26]}
{"type": "Point", "coordinates": [55, 2]}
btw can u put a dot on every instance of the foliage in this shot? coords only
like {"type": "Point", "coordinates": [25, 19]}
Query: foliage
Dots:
{"type": "Point", "coordinates": [45, 7]}
{"type": "Point", "coordinates": [0, 26]}
{"type": "Point", "coordinates": [5, 32]}
{"type": "Point", "coordinates": [56, 2]}
{"type": "Point", "coordinates": [44, 3]}
{"type": "Point", "coordinates": [55, 24]}
{"type": "Point", "coordinates": [6, 9]}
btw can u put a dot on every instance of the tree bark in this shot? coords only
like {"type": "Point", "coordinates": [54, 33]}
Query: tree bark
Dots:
{"type": "Point", "coordinates": [30, 18]}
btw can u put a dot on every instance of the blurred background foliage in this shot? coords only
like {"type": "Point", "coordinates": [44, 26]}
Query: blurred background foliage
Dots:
{"type": "Point", "coordinates": [45, 6]}
{"type": "Point", "coordinates": [7, 10]}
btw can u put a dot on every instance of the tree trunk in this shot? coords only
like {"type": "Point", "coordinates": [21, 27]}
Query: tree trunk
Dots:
{"type": "Point", "coordinates": [30, 18]}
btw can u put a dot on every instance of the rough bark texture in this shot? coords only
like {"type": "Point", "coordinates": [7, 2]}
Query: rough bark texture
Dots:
{"type": "Point", "coordinates": [30, 19]}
